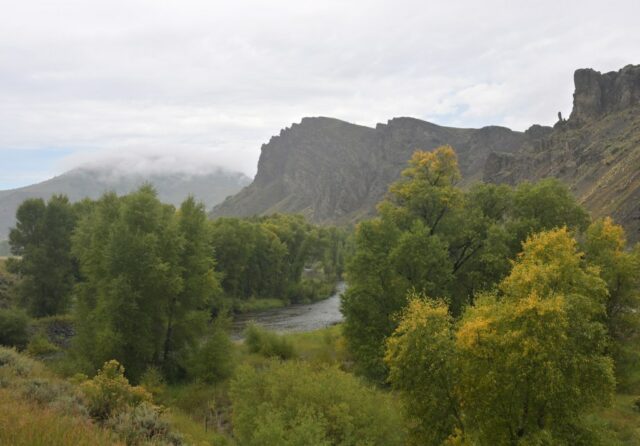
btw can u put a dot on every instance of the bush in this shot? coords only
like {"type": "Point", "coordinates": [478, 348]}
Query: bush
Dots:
{"type": "Point", "coordinates": [14, 326]}
{"type": "Point", "coordinates": [143, 424]}
{"type": "Point", "coordinates": [267, 343]}
{"type": "Point", "coordinates": [153, 381]}
{"type": "Point", "coordinates": [14, 364]}
{"type": "Point", "coordinates": [291, 403]}
{"type": "Point", "coordinates": [39, 345]}
{"type": "Point", "coordinates": [212, 361]}
{"type": "Point", "coordinates": [110, 392]}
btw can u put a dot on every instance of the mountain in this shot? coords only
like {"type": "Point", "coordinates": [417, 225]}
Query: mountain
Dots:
{"type": "Point", "coordinates": [335, 172]}
{"type": "Point", "coordinates": [596, 152]}
{"type": "Point", "coordinates": [210, 188]}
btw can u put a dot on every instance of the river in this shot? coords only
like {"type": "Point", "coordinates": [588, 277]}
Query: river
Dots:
{"type": "Point", "coordinates": [294, 318]}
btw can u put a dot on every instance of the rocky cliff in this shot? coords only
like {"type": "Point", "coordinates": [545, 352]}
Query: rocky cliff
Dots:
{"type": "Point", "coordinates": [333, 171]}
{"type": "Point", "coordinates": [596, 151]}
{"type": "Point", "coordinates": [336, 172]}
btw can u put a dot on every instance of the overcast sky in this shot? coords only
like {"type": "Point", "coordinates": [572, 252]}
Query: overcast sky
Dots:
{"type": "Point", "coordinates": [188, 84]}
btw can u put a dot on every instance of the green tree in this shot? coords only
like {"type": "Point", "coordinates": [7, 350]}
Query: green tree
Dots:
{"type": "Point", "coordinates": [148, 281]}
{"type": "Point", "coordinates": [435, 238]}
{"type": "Point", "coordinates": [188, 310]}
{"type": "Point", "coordinates": [605, 247]}
{"type": "Point", "coordinates": [522, 366]}
{"type": "Point", "coordinates": [42, 239]}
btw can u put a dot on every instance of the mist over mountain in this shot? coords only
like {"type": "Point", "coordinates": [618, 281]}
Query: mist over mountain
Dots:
{"type": "Point", "coordinates": [209, 185]}
{"type": "Point", "coordinates": [335, 172]}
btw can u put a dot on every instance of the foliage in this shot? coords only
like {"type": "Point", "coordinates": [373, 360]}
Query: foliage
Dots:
{"type": "Point", "coordinates": [436, 239]}
{"type": "Point", "coordinates": [265, 257]}
{"type": "Point", "coordinates": [143, 424]}
{"type": "Point", "coordinates": [212, 360]}
{"type": "Point", "coordinates": [523, 366]}
{"type": "Point", "coordinates": [42, 239]}
{"type": "Point", "coordinates": [148, 282]}
{"type": "Point", "coordinates": [39, 345]}
{"type": "Point", "coordinates": [422, 359]}
{"type": "Point", "coordinates": [109, 392]}
{"type": "Point", "coordinates": [605, 247]}
{"type": "Point", "coordinates": [291, 403]}
{"type": "Point", "coordinates": [267, 343]}
{"type": "Point", "coordinates": [23, 423]}
{"type": "Point", "coordinates": [14, 325]}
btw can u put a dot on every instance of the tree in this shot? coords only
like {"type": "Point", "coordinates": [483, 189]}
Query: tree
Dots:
{"type": "Point", "coordinates": [188, 310]}
{"type": "Point", "coordinates": [147, 282]}
{"type": "Point", "coordinates": [421, 356]}
{"type": "Point", "coordinates": [42, 239]}
{"type": "Point", "coordinates": [523, 365]}
{"type": "Point", "coordinates": [605, 247]}
{"type": "Point", "coordinates": [434, 238]}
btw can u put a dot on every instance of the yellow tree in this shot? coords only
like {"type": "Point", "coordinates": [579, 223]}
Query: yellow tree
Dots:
{"type": "Point", "coordinates": [605, 247]}
{"type": "Point", "coordinates": [525, 364]}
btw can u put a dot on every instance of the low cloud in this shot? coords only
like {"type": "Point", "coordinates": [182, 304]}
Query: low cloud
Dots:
{"type": "Point", "coordinates": [191, 84]}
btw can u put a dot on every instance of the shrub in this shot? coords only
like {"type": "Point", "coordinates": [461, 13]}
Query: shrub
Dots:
{"type": "Point", "coordinates": [142, 424]}
{"type": "Point", "coordinates": [212, 361]}
{"type": "Point", "coordinates": [153, 381]}
{"type": "Point", "coordinates": [636, 404]}
{"type": "Point", "coordinates": [13, 363]}
{"type": "Point", "coordinates": [110, 392]}
{"type": "Point", "coordinates": [39, 345]}
{"type": "Point", "coordinates": [14, 324]}
{"type": "Point", "coordinates": [267, 343]}
{"type": "Point", "coordinates": [291, 403]}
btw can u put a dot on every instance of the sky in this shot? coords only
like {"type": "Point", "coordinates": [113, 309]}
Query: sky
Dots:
{"type": "Point", "coordinates": [186, 85]}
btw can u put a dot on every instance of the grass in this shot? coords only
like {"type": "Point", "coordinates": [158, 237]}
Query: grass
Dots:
{"type": "Point", "coordinates": [254, 304]}
{"type": "Point", "coordinates": [623, 420]}
{"type": "Point", "coordinates": [27, 424]}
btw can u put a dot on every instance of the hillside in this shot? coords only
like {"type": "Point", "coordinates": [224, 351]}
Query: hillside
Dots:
{"type": "Point", "coordinates": [596, 152]}
{"type": "Point", "coordinates": [210, 188]}
{"type": "Point", "coordinates": [334, 171]}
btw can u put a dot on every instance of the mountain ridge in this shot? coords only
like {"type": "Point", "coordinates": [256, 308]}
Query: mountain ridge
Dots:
{"type": "Point", "coordinates": [90, 182]}
{"type": "Point", "coordinates": [332, 171]}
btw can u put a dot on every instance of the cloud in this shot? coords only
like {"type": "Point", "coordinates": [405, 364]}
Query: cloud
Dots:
{"type": "Point", "coordinates": [194, 83]}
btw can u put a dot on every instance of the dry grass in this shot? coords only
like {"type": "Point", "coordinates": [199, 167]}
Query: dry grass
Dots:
{"type": "Point", "coordinates": [26, 424]}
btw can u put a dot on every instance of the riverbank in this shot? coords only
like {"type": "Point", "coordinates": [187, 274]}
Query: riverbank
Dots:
{"type": "Point", "coordinates": [294, 318]}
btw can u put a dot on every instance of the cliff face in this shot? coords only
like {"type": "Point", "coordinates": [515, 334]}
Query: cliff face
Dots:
{"type": "Point", "coordinates": [335, 172]}
{"type": "Point", "coordinates": [596, 151]}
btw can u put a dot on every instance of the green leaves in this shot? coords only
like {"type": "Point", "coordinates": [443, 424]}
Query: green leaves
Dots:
{"type": "Point", "coordinates": [524, 364]}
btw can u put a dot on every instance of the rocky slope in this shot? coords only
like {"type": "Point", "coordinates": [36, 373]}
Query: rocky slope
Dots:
{"type": "Point", "coordinates": [335, 172]}
{"type": "Point", "coordinates": [596, 152]}
{"type": "Point", "coordinates": [210, 188]}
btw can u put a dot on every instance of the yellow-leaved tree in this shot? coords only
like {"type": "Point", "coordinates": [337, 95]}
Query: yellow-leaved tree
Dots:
{"type": "Point", "coordinates": [522, 366]}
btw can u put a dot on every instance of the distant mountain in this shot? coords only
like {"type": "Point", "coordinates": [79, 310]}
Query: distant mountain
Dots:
{"type": "Point", "coordinates": [210, 188]}
{"type": "Point", "coordinates": [596, 152]}
{"type": "Point", "coordinates": [335, 172]}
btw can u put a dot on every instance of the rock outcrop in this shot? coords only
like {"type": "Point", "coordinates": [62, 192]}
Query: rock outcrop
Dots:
{"type": "Point", "coordinates": [335, 172]}
{"type": "Point", "coordinates": [596, 152]}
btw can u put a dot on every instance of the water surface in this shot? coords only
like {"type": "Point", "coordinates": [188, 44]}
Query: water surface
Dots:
{"type": "Point", "coordinates": [294, 318]}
